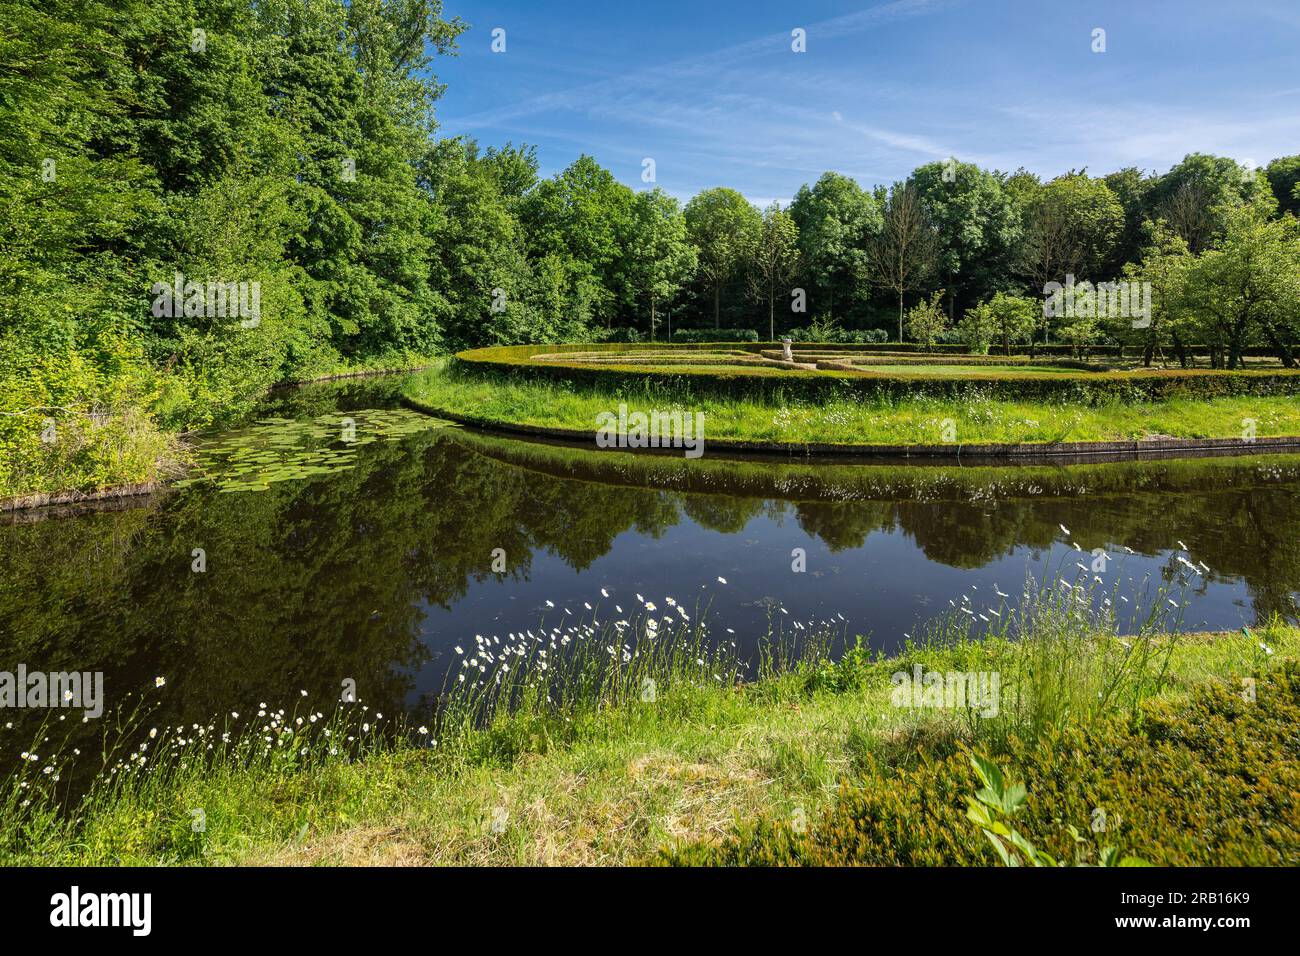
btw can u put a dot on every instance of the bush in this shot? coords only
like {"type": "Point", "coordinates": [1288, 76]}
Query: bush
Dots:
{"type": "Point", "coordinates": [927, 323]}
{"type": "Point", "coordinates": [75, 419]}
{"type": "Point", "coordinates": [839, 336]}
{"type": "Point", "coordinates": [715, 335]}
{"type": "Point", "coordinates": [621, 334]}
{"type": "Point", "coordinates": [1210, 780]}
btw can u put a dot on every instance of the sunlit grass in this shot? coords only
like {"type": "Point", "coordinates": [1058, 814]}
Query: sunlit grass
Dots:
{"type": "Point", "coordinates": [598, 738]}
{"type": "Point", "coordinates": [851, 421]}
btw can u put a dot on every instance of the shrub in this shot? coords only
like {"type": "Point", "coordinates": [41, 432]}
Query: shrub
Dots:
{"type": "Point", "coordinates": [926, 321]}
{"type": "Point", "coordinates": [839, 336]}
{"type": "Point", "coordinates": [621, 334]}
{"type": "Point", "coordinates": [715, 335]}
{"type": "Point", "coordinates": [1212, 779]}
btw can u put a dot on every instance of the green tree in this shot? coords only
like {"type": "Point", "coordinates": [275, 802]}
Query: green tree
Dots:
{"type": "Point", "coordinates": [486, 286]}
{"type": "Point", "coordinates": [1284, 179]}
{"type": "Point", "coordinates": [1165, 261]}
{"type": "Point", "coordinates": [580, 220]}
{"type": "Point", "coordinates": [724, 227]}
{"type": "Point", "coordinates": [774, 260]}
{"type": "Point", "coordinates": [1071, 225]}
{"type": "Point", "coordinates": [1248, 286]}
{"type": "Point", "coordinates": [1195, 195]}
{"type": "Point", "coordinates": [976, 225]}
{"type": "Point", "coordinates": [661, 256]}
{"type": "Point", "coordinates": [1133, 188]}
{"type": "Point", "coordinates": [902, 256]}
{"type": "Point", "coordinates": [835, 219]}
{"type": "Point", "coordinates": [926, 321]}
{"type": "Point", "coordinates": [1004, 318]}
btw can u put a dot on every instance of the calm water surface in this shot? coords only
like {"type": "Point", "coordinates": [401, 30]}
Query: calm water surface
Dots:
{"type": "Point", "coordinates": [370, 559]}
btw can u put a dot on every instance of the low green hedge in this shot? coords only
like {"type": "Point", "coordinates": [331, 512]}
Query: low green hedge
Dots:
{"type": "Point", "coordinates": [1210, 781]}
{"type": "Point", "coordinates": [782, 385]}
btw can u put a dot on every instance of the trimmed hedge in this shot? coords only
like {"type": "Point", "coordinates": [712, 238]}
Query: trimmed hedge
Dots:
{"type": "Point", "coordinates": [1209, 781]}
{"type": "Point", "coordinates": [778, 385]}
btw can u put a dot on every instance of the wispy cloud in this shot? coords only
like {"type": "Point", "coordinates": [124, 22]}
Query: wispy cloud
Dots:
{"type": "Point", "coordinates": [887, 88]}
{"type": "Point", "coordinates": [662, 78]}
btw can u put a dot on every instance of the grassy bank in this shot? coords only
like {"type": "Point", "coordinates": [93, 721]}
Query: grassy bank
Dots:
{"type": "Point", "coordinates": [852, 420]}
{"type": "Point", "coordinates": [618, 746]}
{"type": "Point", "coordinates": [89, 442]}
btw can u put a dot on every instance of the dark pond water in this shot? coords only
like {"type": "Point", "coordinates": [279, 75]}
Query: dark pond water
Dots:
{"type": "Point", "coordinates": [370, 559]}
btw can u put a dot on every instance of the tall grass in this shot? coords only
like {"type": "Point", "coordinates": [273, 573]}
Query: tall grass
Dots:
{"type": "Point", "coordinates": [527, 691]}
{"type": "Point", "coordinates": [1068, 650]}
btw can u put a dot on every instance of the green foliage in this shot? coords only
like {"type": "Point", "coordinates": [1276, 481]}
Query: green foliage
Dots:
{"type": "Point", "coordinates": [661, 259]}
{"type": "Point", "coordinates": [1071, 225]}
{"type": "Point", "coordinates": [1207, 781]}
{"type": "Point", "coordinates": [715, 335]}
{"type": "Point", "coordinates": [134, 152]}
{"type": "Point", "coordinates": [1004, 319]}
{"type": "Point", "coordinates": [1248, 287]}
{"type": "Point", "coordinates": [1195, 197]}
{"type": "Point", "coordinates": [977, 225]}
{"type": "Point", "coordinates": [834, 218]}
{"type": "Point", "coordinates": [725, 228]}
{"type": "Point", "coordinates": [818, 332]}
{"type": "Point", "coordinates": [293, 146]}
{"type": "Point", "coordinates": [997, 802]}
{"type": "Point", "coordinates": [926, 321]}
{"type": "Point", "coordinates": [775, 259]}
{"type": "Point", "coordinates": [904, 255]}
{"type": "Point", "coordinates": [1284, 178]}
{"type": "Point", "coordinates": [851, 672]}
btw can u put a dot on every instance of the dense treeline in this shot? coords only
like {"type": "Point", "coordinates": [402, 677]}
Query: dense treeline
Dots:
{"type": "Point", "coordinates": [201, 198]}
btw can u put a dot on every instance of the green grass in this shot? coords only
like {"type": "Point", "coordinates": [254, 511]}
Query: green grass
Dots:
{"type": "Point", "coordinates": [603, 773]}
{"type": "Point", "coordinates": [848, 420]}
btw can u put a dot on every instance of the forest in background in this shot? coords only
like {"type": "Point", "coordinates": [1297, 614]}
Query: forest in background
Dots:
{"type": "Point", "coordinates": [291, 146]}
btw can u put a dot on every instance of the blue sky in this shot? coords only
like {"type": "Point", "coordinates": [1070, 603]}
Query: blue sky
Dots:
{"type": "Point", "coordinates": [715, 95]}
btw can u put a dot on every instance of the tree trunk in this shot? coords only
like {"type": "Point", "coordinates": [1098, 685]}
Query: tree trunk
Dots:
{"type": "Point", "coordinates": [1280, 346]}
{"type": "Point", "coordinates": [652, 320]}
{"type": "Point", "coordinates": [717, 296]}
{"type": "Point", "coordinates": [900, 318]}
{"type": "Point", "coordinates": [771, 316]}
